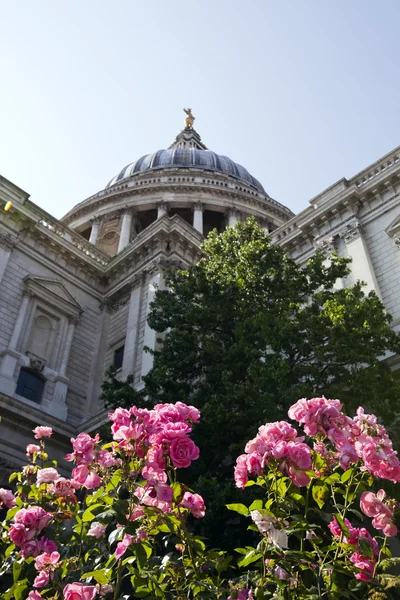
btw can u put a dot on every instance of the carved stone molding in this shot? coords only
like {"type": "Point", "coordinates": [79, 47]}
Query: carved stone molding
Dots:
{"type": "Point", "coordinates": [351, 232]}
{"type": "Point", "coordinates": [6, 241]}
{"type": "Point", "coordinates": [327, 245]}
{"type": "Point", "coordinates": [35, 362]}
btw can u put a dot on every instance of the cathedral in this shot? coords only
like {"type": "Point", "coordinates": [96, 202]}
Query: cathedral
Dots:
{"type": "Point", "coordinates": [75, 292]}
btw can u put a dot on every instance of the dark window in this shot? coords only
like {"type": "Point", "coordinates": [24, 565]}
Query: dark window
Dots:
{"type": "Point", "coordinates": [30, 385]}
{"type": "Point", "coordinates": [119, 357]}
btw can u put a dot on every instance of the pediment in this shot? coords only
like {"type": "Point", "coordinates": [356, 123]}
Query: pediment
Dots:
{"type": "Point", "coordinates": [393, 229]}
{"type": "Point", "coordinates": [55, 290]}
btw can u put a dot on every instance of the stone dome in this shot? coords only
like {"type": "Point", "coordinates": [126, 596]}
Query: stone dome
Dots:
{"type": "Point", "coordinates": [186, 157]}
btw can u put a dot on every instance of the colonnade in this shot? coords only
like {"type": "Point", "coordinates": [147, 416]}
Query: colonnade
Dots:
{"type": "Point", "coordinates": [128, 216]}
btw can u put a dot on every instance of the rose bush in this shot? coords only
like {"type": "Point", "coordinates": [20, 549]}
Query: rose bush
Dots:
{"type": "Point", "coordinates": [316, 491]}
{"type": "Point", "coordinates": [118, 524]}
{"type": "Point", "coordinates": [118, 527]}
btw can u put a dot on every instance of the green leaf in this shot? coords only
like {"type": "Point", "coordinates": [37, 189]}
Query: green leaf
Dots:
{"type": "Point", "coordinates": [239, 508]}
{"type": "Point", "coordinates": [16, 569]}
{"type": "Point", "coordinates": [116, 534]}
{"type": "Point", "coordinates": [88, 514]}
{"type": "Point", "coordinates": [346, 475]}
{"type": "Point", "coordinates": [256, 505]}
{"type": "Point", "coordinates": [101, 576]}
{"type": "Point", "coordinates": [320, 494]}
{"type": "Point", "coordinates": [342, 525]}
{"type": "Point", "coordinates": [250, 557]}
{"type": "Point", "coordinates": [141, 555]}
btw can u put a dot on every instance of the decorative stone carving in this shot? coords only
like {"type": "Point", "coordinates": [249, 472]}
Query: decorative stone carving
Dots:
{"type": "Point", "coordinates": [327, 245]}
{"type": "Point", "coordinates": [352, 231]}
{"type": "Point", "coordinates": [6, 241]}
{"type": "Point", "coordinates": [35, 362]}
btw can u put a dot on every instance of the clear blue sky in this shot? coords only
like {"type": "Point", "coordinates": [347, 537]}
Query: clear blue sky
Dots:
{"type": "Point", "coordinates": [300, 92]}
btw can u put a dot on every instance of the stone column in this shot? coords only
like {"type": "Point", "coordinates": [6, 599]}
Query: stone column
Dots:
{"type": "Point", "coordinates": [265, 226]}
{"type": "Point", "coordinates": [94, 234]}
{"type": "Point", "coordinates": [233, 218]}
{"type": "Point", "coordinates": [198, 217]}
{"type": "Point", "coordinates": [361, 266]}
{"type": "Point", "coordinates": [6, 246]}
{"type": "Point", "coordinates": [150, 336]}
{"type": "Point", "coordinates": [58, 407]}
{"type": "Point", "coordinates": [132, 329]}
{"type": "Point", "coordinates": [67, 346]}
{"type": "Point", "coordinates": [11, 355]}
{"type": "Point", "coordinates": [162, 210]}
{"type": "Point", "coordinates": [97, 368]}
{"type": "Point", "coordinates": [20, 319]}
{"type": "Point", "coordinates": [125, 234]}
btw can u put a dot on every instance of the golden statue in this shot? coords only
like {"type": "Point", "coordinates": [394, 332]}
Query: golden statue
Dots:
{"type": "Point", "coordinates": [189, 119]}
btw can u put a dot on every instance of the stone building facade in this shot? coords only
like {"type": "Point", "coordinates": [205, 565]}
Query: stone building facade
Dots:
{"type": "Point", "coordinates": [75, 292]}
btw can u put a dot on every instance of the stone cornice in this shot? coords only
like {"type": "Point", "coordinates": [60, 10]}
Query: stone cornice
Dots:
{"type": "Point", "coordinates": [29, 417]}
{"type": "Point", "coordinates": [369, 192]}
{"type": "Point", "coordinates": [182, 181]}
{"type": "Point", "coordinates": [166, 243]}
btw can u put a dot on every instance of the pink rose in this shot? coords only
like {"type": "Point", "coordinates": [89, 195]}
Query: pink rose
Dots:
{"type": "Point", "coordinates": [182, 451]}
{"type": "Point", "coordinates": [123, 545]}
{"type": "Point", "coordinates": [41, 432]}
{"type": "Point", "coordinates": [64, 487]}
{"type": "Point", "coordinates": [32, 449]}
{"type": "Point", "coordinates": [106, 459]}
{"type": "Point", "coordinates": [195, 503]}
{"type": "Point", "coordinates": [159, 495]}
{"type": "Point", "coordinates": [366, 564]}
{"type": "Point", "coordinates": [46, 560]}
{"type": "Point", "coordinates": [175, 430]}
{"type": "Point", "coordinates": [79, 591]}
{"type": "Point", "coordinates": [83, 447]}
{"type": "Point", "coordinates": [46, 545]}
{"type": "Point", "coordinates": [281, 574]}
{"type": "Point", "coordinates": [104, 589]}
{"type": "Point", "coordinates": [370, 504]}
{"type": "Point", "coordinates": [89, 479]}
{"type": "Point", "coordinates": [274, 432]}
{"type": "Point", "coordinates": [29, 549]}
{"type": "Point", "coordinates": [188, 413]}
{"type": "Point", "coordinates": [34, 595]}
{"type": "Point", "coordinates": [17, 534]}
{"type": "Point", "coordinates": [96, 530]}
{"type": "Point", "coordinates": [7, 498]}
{"type": "Point", "coordinates": [47, 475]}
{"type": "Point", "coordinates": [257, 445]}
{"type": "Point", "coordinates": [241, 473]}
{"type": "Point", "coordinates": [120, 416]}
{"type": "Point", "coordinates": [34, 517]}
{"type": "Point", "coordinates": [300, 455]}
{"type": "Point", "coordinates": [41, 580]}
{"type": "Point", "coordinates": [153, 474]}
{"type": "Point", "coordinates": [137, 513]}
{"type": "Point", "coordinates": [155, 457]}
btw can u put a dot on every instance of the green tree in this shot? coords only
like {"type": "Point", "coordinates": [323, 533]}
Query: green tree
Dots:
{"type": "Point", "coordinates": [247, 331]}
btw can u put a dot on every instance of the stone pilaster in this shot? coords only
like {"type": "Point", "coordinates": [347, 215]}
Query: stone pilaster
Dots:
{"type": "Point", "coordinates": [125, 234]}
{"type": "Point", "coordinates": [198, 209]}
{"type": "Point", "coordinates": [361, 266]}
{"type": "Point", "coordinates": [162, 209]}
{"type": "Point", "coordinates": [132, 330]}
{"type": "Point", "coordinates": [6, 247]}
{"type": "Point", "coordinates": [94, 234]}
{"type": "Point", "coordinates": [150, 336]}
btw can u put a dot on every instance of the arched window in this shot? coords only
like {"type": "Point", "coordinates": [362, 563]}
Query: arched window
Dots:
{"type": "Point", "coordinates": [30, 385]}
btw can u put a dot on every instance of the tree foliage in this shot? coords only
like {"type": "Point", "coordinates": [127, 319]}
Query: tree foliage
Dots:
{"type": "Point", "coordinates": [247, 330]}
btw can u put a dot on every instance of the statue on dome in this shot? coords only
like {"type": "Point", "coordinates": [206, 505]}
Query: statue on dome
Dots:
{"type": "Point", "coordinates": [189, 119]}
